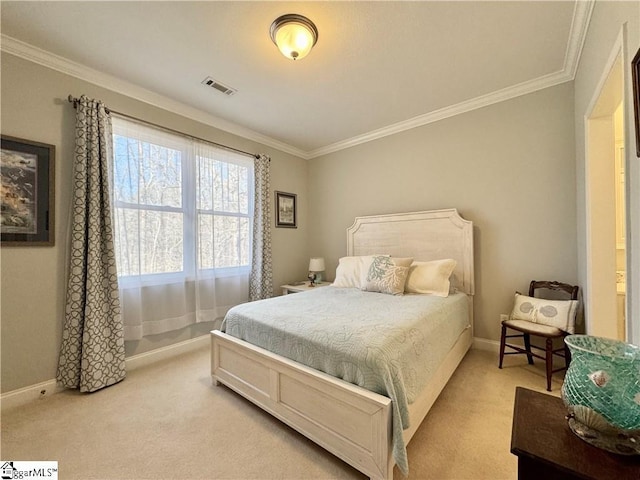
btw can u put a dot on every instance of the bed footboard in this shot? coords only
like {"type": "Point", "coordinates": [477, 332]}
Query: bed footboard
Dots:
{"type": "Point", "coordinates": [352, 423]}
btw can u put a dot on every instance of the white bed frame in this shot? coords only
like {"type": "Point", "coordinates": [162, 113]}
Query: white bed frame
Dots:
{"type": "Point", "coordinates": [351, 422]}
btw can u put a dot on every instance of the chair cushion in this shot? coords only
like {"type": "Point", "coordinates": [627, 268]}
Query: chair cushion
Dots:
{"type": "Point", "coordinates": [560, 314]}
{"type": "Point", "coordinates": [533, 328]}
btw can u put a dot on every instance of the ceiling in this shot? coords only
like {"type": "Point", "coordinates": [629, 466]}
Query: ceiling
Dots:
{"type": "Point", "coordinates": [378, 67]}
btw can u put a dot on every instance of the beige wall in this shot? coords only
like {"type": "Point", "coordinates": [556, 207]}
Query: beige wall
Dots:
{"type": "Point", "coordinates": [515, 169]}
{"type": "Point", "coordinates": [35, 107]}
{"type": "Point", "coordinates": [607, 21]}
{"type": "Point", "coordinates": [509, 167]}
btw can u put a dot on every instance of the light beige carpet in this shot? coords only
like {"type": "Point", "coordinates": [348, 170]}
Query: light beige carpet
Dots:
{"type": "Point", "coordinates": [166, 421]}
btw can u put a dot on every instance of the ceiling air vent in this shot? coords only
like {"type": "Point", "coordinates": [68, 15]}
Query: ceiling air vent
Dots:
{"type": "Point", "coordinates": [210, 82]}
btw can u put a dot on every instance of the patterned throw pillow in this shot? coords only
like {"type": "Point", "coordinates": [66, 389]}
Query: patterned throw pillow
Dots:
{"type": "Point", "coordinates": [554, 313]}
{"type": "Point", "coordinates": [387, 275]}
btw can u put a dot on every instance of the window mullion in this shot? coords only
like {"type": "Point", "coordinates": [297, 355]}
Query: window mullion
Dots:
{"type": "Point", "coordinates": [155, 155]}
{"type": "Point", "coordinates": [141, 206]}
{"type": "Point", "coordinates": [220, 213]}
{"type": "Point", "coordinates": [189, 198]}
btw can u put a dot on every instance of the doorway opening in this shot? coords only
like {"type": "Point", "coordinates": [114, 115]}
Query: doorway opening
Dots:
{"type": "Point", "coordinates": [605, 307]}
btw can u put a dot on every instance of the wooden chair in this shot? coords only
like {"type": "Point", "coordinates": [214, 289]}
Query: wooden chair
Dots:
{"type": "Point", "coordinates": [527, 328]}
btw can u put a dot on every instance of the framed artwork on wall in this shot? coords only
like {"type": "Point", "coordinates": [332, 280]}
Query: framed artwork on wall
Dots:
{"type": "Point", "coordinates": [286, 215]}
{"type": "Point", "coordinates": [27, 174]}
{"type": "Point", "coordinates": [635, 75]}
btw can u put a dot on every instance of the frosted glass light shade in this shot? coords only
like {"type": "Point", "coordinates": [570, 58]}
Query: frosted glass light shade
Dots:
{"type": "Point", "coordinates": [316, 264]}
{"type": "Point", "coordinates": [294, 35]}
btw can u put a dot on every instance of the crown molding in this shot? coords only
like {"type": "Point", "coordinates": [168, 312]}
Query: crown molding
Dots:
{"type": "Point", "coordinates": [579, 26]}
{"type": "Point", "coordinates": [577, 34]}
{"type": "Point", "coordinates": [447, 112]}
{"type": "Point", "coordinates": [50, 60]}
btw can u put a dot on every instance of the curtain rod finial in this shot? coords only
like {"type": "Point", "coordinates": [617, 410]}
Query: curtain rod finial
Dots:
{"type": "Point", "coordinates": [73, 100]}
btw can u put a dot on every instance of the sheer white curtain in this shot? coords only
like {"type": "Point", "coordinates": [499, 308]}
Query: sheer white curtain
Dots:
{"type": "Point", "coordinates": [183, 213]}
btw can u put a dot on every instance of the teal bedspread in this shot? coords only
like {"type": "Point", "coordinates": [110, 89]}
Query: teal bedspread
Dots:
{"type": "Point", "coordinates": [387, 344]}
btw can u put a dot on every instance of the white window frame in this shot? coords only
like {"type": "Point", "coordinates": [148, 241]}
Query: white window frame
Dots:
{"type": "Point", "coordinates": [188, 209]}
{"type": "Point", "coordinates": [240, 269]}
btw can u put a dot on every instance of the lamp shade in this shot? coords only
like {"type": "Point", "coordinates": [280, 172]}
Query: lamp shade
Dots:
{"type": "Point", "coordinates": [316, 264]}
{"type": "Point", "coordinates": [294, 35]}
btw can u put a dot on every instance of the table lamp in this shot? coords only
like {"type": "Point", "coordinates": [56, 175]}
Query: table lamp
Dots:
{"type": "Point", "coordinates": [316, 269]}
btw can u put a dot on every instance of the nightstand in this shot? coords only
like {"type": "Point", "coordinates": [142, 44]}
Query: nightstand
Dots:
{"type": "Point", "coordinates": [302, 287]}
{"type": "Point", "coordinates": [547, 448]}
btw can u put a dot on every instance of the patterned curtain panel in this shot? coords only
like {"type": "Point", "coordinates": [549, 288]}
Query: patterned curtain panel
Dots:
{"type": "Point", "coordinates": [261, 279]}
{"type": "Point", "coordinates": [92, 350]}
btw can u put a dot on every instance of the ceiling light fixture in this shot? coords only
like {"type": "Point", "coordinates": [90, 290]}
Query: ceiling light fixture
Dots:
{"type": "Point", "coordinates": [294, 35]}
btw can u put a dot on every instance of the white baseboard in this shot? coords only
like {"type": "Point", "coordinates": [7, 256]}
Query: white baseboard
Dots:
{"type": "Point", "coordinates": [25, 395]}
{"type": "Point", "coordinates": [486, 344]}
{"type": "Point", "coordinates": [16, 398]}
{"type": "Point", "coordinates": [170, 351]}
{"type": "Point", "coordinates": [33, 392]}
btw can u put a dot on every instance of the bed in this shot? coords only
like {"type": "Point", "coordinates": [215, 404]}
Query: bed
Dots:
{"type": "Point", "coordinates": [358, 425]}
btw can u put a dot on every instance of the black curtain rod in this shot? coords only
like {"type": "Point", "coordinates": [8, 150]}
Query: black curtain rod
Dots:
{"type": "Point", "coordinates": [75, 101]}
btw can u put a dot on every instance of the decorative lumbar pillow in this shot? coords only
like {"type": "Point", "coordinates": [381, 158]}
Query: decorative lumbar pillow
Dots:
{"type": "Point", "coordinates": [430, 277]}
{"type": "Point", "coordinates": [387, 275]}
{"type": "Point", "coordinates": [554, 313]}
{"type": "Point", "coordinates": [352, 271]}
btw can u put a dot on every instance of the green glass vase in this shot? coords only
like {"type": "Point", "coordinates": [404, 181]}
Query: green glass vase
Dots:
{"type": "Point", "coordinates": [601, 390]}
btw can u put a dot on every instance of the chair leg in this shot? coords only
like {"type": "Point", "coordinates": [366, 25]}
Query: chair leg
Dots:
{"type": "Point", "coordinates": [549, 359]}
{"type": "Point", "coordinates": [527, 346]}
{"type": "Point", "coordinates": [503, 340]}
{"type": "Point", "coordinates": [567, 355]}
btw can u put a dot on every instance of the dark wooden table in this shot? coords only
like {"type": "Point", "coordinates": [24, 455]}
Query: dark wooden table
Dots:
{"type": "Point", "coordinates": [547, 449]}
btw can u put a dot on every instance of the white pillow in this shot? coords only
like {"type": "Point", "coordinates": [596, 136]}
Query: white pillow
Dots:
{"type": "Point", "coordinates": [352, 271]}
{"type": "Point", "coordinates": [430, 277]}
{"type": "Point", "coordinates": [554, 313]}
{"type": "Point", "coordinates": [388, 275]}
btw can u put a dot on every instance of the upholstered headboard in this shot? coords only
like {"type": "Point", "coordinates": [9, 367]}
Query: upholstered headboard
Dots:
{"type": "Point", "coordinates": [429, 235]}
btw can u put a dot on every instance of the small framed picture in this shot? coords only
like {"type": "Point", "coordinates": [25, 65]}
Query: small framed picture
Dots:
{"type": "Point", "coordinates": [286, 215]}
{"type": "Point", "coordinates": [635, 76]}
{"type": "Point", "coordinates": [26, 192]}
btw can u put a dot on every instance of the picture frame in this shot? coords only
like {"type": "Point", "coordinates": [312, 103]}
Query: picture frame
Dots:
{"type": "Point", "coordinates": [286, 210]}
{"type": "Point", "coordinates": [27, 192]}
{"type": "Point", "coordinates": [635, 78]}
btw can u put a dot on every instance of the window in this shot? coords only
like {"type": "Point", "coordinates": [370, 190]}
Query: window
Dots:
{"type": "Point", "coordinates": [223, 213]}
{"type": "Point", "coordinates": [182, 207]}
